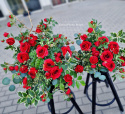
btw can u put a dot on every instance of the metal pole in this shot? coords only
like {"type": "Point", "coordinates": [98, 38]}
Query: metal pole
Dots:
{"type": "Point", "coordinates": [87, 82]}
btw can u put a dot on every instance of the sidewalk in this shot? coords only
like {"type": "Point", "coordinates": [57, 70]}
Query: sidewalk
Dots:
{"type": "Point", "coordinates": [72, 18]}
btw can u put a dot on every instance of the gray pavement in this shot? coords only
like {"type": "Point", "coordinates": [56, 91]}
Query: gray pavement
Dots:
{"type": "Point", "coordinates": [72, 18]}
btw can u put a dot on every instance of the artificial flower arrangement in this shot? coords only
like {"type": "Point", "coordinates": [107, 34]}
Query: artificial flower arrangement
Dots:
{"type": "Point", "coordinates": [101, 53]}
{"type": "Point", "coordinates": [42, 60]}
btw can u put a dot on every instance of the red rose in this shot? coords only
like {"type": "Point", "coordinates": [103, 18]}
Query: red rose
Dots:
{"type": "Point", "coordinates": [10, 16]}
{"type": "Point", "coordinates": [9, 24]}
{"type": "Point", "coordinates": [93, 59]}
{"type": "Point", "coordinates": [91, 22]}
{"type": "Point", "coordinates": [16, 68]}
{"type": "Point", "coordinates": [116, 51]}
{"type": "Point", "coordinates": [123, 58]}
{"type": "Point", "coordinates": [41, 52]}
{"type": "Point", "coordinates": [113, 46]}
{"type": "Point", "coordinates": [46, 46]}
{"type": "Point", "coordinates": [24, 47]}
{"type": "Point", "coordinates": [57, 57]}
{"type": "Point", "coordinates": [38, 30]}
{"type": "Point", "coordinates": [5, 34]}
{"type": "Point", "coordinates": [95, 53]}
{"type": "Point", "coordinates": [68, 91]}
{"type": "Point", "coordinates": [83, 37]}
{"type": "Point", "coordinates": [85, 45]}
{"type": "Point", "coordinates": [79, 68]}
{"type": "Point", "coordinates": [121, 70]}
{"type": "Point", "coordinates": [18, 73]}
{"type": "Point", "coordinates": [22, 57]}
{"type": "Point", "coordinates": [68, 78]}
{"type": "Point", "coordinates": [97, 43]}
{"type": "Point", "coordinates": [93, 66]}
{"type": "Point", "coordinates": [10, 41]}
{"type": "Point", "coordinates": [11, 68]}
{"type": "Point", "coordinates": [103, 39]}
{"type": "Point", "coordinates": [48, 64]}
{"type": "Point", "coordinates": [43, 97]}
{"type": "Point", "coordinates": [34, 37]}
{"type": "Point", "coordinates": [23, 69]}
{"type": "Point", "coordinates": [90, 30]}
{"type": "Point", "coordinates": [47, 75]}
{"type": "Point", "coordinates": [60, 35]}
{"type": "Point", "coordinates": [66, 49]}
{"type": "Point", "coordinates": [32, 42]}
{"type": "Point", "coordinates": [45, 25]}
{"type": "Point", "coordinates": [4, 68]}
{"type": "Point", "coordinates": [110, 65]}
{"type": "Point", "coordinates": [32, 72]}
{"type": "Point", "coordinates": [45, 20]}
{"type": "Point", "coordinates": [55, 72]}
{"type": "Point", "coordinates": [106, 56]}
{"type": "Point", "coordinates": [93, 49]}
{"type": "Point", "coordinates": [25, 83]}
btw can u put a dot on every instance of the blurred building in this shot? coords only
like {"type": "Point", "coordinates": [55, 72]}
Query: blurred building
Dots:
{"type": "Point", "coordinates": [17, 7]}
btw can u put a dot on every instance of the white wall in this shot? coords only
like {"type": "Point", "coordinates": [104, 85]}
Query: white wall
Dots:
{"type": "Point", "coordinates": [45, 2]}
{"type": "Point", "coordinates": [3, 7]}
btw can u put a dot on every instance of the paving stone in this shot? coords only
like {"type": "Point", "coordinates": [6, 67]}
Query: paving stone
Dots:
{"type": "Point", "coordinates": [73, 111]}
{"type": "Point", "coordinates": [6, 103]}
{"type": "Point", "coordinates": [30, 111]}
{"type": "Point", "coordinates": [1, 110]}
{"type": "Point", "coordinates": [21, 107]}
{"type": "Point", "coordinates": [10, 109]}
{"type": "Point", "coordinates": [121, 85]}
{"type": "Point", "coordinates": [60, 105]}
{"type": "Point", "coordinates": [13, 96]}
{"type": "Point", "coordinates": [42, 109]}
{"type": "Point", "coordinates": [2, 94]}
{"type": "Point", "coordinates": [17, 112]}
{"type": "Point", "coordinates": [3, 98]}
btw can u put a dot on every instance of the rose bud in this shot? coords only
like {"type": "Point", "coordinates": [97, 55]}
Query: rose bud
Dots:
{"type": "Point", "coordinates": [4, 68]}
{"type": "Point", "coordinates": [18, 73]}
{"type": "Point", "coordinates": [2, 40]}
{"type": "Point", "coordinates": [9, 24]}
{"type": "Point", "coordinates": [5, 34]}
{"type": "Point", "coordinates": [45, 20]}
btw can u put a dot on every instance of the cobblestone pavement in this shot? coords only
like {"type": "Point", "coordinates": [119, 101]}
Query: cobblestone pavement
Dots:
{"type": "Point", "coordinates": [72, 18]}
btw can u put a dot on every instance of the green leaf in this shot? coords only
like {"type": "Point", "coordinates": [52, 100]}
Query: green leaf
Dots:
{"type": "Point", "coordinates": [28, 100]}
{"type": "Point", "coordinates": [120, 33]}
{"type": "Point", "coordinates": [20, 94]}
{"type": "Point", "coordinates": [76, 35]}
{"type": "Point", "coordinates": [12, 88]}
{"type": "Point", "coordinates": [47, 100]}
{"type": "Point", "coordinates": [67, 72]}
{"type": "Point", "coordinates": [102, 77]}
{"type": "Point", "coordinates": [2, 65]}
{"type": "Point", "coordinates": [77, 84]}
{"type": "Point", "coordinates": [75, 75]}
{"type": "Point", "coordinates": [82, 83]}
{"type": "Point", "coordinates": [6, 81]}
{"type": "Point", "coordinates": [19, 100]}
{"type": "Point", "coordinates": [54, 82]}
{"type": "Point", "coordinates": [24, 94]}
{"type": "Point", "coordinates": [97, 74]}
{"type": "Point", "coordinates": [73, 84]}
{"type": "Point", "coordinates": [79, 78]}
{"type": "Point", "coordinates": [61, 86]}
{"type": "Point", "coordinates": [91, 72]}
{"type": "Point", "coordinates": [78, 42]}
{"type": "Point", "coordinates": [36, 102]}
{"type": "Point", "coordinates": [72, 48]}
{"type": "Point", "coordinates": [102, 32]}
{"type": "Point", "coordinates": [32, 93]}
{"type": "Point", "coordinates": [103, 70]}
{"type": "Point", "coordinates": [33, 101]}
{"type": "Point", "coordinates": [90, 25]}
{"type": "Point", "coordinates": [23, 99]}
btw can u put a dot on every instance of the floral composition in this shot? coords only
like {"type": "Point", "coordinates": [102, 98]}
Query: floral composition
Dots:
{"type": "Point", "coordinates": [101, 53]}
{"type": "Point", "coordinates": [42, 60]}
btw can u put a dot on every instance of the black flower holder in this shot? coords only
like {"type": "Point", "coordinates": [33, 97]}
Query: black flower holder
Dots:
{"type": "Point", "coordinates": [108, 82]}
{"type": "Point", "coordinates": [51, 106]}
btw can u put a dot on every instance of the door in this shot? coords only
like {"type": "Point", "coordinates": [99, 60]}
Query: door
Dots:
{"type": "Point", "coordinates": [33, 5]}
{"type": "Point", "coordinates": [57, 2]}
{"type": "Point", "coordinates": [16, 6]}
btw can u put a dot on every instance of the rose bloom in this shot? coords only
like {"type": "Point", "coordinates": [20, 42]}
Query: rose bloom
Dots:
{"type": "Point", "coordinates": [90, 30]}
{"type": "Point", "coordinates": [4, 68]}
{"type": "Point", "coordinates": [68, 91]}
{"type": "Point", "coordinates": [45, 25]}
{"type": "Point", "coordinates": [8, 24]}
{"type": "Point", "coordinates": [97, 43]}
{"type": "Point", "coordinates": [47, 75]}
{"type": "Point", "coordinates": [45, 19]}
{"type": "Point", "coordinates": [35, 37]}
{"type": "Point", "coordinates": [91, 22]}
{"type": "Point", "coordinates": [5, 34]}
{"type": "Point", "coordinates": [24, 47]}
{"type": "Point", "coordinates": [25, 83]}
{"type": "Point", "coordinates": [10, 41]}
{"type": "Point", "coordinates": [43, 97]}
{"type": "Point", "coordinates": [93, 66]}
{"type": "Point", "coordinates": [93, 59]}
{"type": "Point", "coordinates": [57, 57]}
{"type": "Point", "coordinates": [106, 56]}
{"type": "Point", "coordinates": [16, 68]}
{"type": "Point", "coordinates": [103, 39]}
{"type": "Point", "coordinates": [123, 58]}
{"type": "Point", "coordinates": [56, 72]}
{"type": "Point", "coordinates": [41, 52]}
{"type": "Point", "coordinates": [32, 42]}
{"type": "Point", "coordinates": [11, 68]}
{"type": "Point", "coordinates": [79, 68]}
{"type": "Point", "coordinates": [93, 49]}
{"type": "Point", "coordinates": [23, 69]}
{"type": "Point", "coordinates": [22, 57]}
{"type": "Point", "coordinates": [38, 30]}
{"type": "Point", "coordinates": [116, 51]}
{"type": "Point", "coordinates": [95, 53]}
{"type": "Point", "coordinates": [110, 65]}
{"type": "Point", "coordinates": [68, 78]}
{"type": "Point", "coordinates": [48, 64]}
{"type": "Point", "coordinates": [83, 37]}
{"type": "Point", "coordinates": [32, 72]}
{"type": "Point", "coordinates": [85, 45]}
{"type": "Point", "coordinates": [113, 46]}
{"type": "Point", "coordinates": [66, 49]}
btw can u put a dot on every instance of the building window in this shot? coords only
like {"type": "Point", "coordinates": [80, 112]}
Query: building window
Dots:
{"type": "Point", "coordinates": [33, 5]}
{"type": "Point", "coordinates": [57, 2]}
{"type": "Point", "coordinates": [16, 6]}
{"type": "Point", "coordinates": [1, 14]}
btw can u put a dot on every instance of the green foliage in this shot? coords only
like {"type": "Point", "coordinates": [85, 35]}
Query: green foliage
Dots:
{"type": "Point", "coordinates": [37, 63]}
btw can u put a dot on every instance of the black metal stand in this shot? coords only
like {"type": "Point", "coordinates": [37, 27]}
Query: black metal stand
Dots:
{"type": "Point", "coordinates": [52, 108]}
{"type": "Point", "coordinates": [108, 83]}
